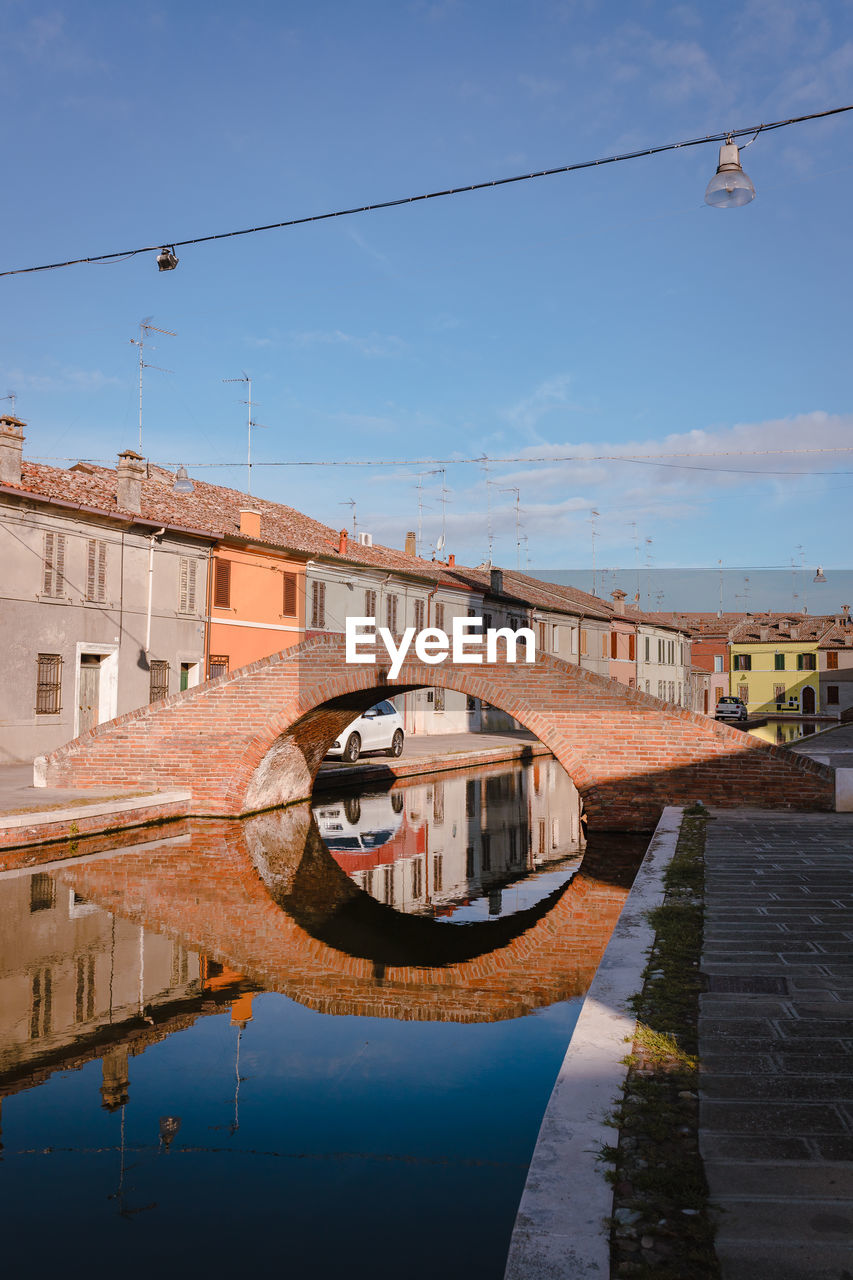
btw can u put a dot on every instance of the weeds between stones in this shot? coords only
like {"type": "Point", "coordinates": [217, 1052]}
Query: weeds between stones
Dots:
{"type": "Point", "coordinates": [661, 1228]}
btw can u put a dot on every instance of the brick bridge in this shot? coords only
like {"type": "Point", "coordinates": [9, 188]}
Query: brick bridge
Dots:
{"type": "Point", "coordinates": [264, 897]}
{"type": "Point", "coordinates": [254, 739]}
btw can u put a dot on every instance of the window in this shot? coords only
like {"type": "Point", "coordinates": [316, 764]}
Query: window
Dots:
{"type": "Point", "coordinates": [605, 644]}
{"type": "Point", "coordinates": [742, 662]}
{"type": "Point", "coordinates": [417, 878]}
{"type": "Point", "coordinates": [439, 616]}
{"type": "Point", "coordinates": [485, 852]}
{"type": "Point", "coordinates": [832, 695]}
{"type": "Point", "coordinates": [614, 645]}
{"type": "Point", "coordinates": [187, 600]}
{"type": "Point", "coordinates": [438, 804]}
{"type": "Point", "coordinates": [85, 1002]}
{"type": "Point", "coordinates": [439, 699]}
{"type": "Point", "coordinates": [542, 641]}
{"type": "Point", "coordinates": [472, 613]}
{"type": "Point", "coordinates": [718, 662]}
{"type": "Point", "coordinates": [318, 605]}
{"type": "Point", "coordinates": [743, 693]}
{"type": "Point", "coordinates": [660, 688]}
{"type": "Point", "coordinates": [469, 861]}
{"type": "Point", "coordinates": [648, 646]}
{"type": "Point", "coordinates": [389, 885]}
{"type": "Point", "coordinates": [471, 797]}
{"type": "Point", "coordinates": [222, 584]}
{"type": "Point", "coordinates": [42, 1004]}
{"type": "Point", "coordinates": [96, 572]}
{"type": "Point", "coordinates": [542, 837]}
{"type": "Point", "coordinates": [419, 615]}
{"type": "Point", "coordinates": [632, 647]}
{"type": "Point", "coordinates": [53, 581]}
{"type": "Point", "coordinates": [391, 613]}
{"type": "Point", "coordinates": [42, 892]}
{"type": "Point", "coordinates": [370, 604]}
{"type": "Point", "coordinates": [288, 595]}
{"type": "Point", "coordinates": [831, 660]}
{"type": "Point", "coordinates": [648, 686]}
{"type": "Point", "coordinates": [487, 621]}
{"type": "Point", "coordinates": [158, 685]}
{"type": "Point", "coordinates": [806, 662]}
{"type": "Point", "coordinates": [513, 844]}
{"type": "Point", "coordinates": [778, 693]}
{"type": "Point", "coordinates": [48, 684]}
{"type": "Point", "coordinates": [217, 665]}
{"type": "Point", "coordinates": [437, 867]}
{"type": "Point", "coordinates": [583, 643]}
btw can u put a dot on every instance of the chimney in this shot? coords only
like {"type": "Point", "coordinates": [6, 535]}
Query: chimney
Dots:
{"type": "Point", "coordinates": [411, 547]}
{"type": "Point", "coordinates": [132, 469]}
{"type": "Point", "coordinates": [794, 632]}
{"type": "Point", "coordinates": [618, 598]}
{"type": "Point", "coordinates": [845, 609]}
{"type": "Point", "coordinates": [250, 523]}
{"type": "Point", "coordinates": [496, 581]}
{"type": "Point", "coordinates": [764, 634]}
{"type": "Point", "coordinates": [342, 542]}
{"type": "Point", "coordinates": [11, 448]}
{"type": "Point", "coordinates": [451, 560]}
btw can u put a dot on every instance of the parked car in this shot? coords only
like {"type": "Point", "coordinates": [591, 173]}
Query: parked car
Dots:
{"type": "Point", "coordinates": [730, 709]}
{"type": "Point", "coordinates": [360, 824]}
{"type": "Point", "coordinates": [378, 729]}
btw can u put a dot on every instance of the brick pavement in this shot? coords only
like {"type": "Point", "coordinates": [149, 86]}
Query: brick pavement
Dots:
{"type": "Point", "coordinates": [776, 1043]}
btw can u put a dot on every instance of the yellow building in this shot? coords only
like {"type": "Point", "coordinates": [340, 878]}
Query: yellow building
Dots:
{"type": "Point", "coordinates": [774, 663]}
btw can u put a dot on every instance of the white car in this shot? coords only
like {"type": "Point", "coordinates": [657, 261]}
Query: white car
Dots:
{"type": "Point", "coordinates": [730, 709]}
{"type": "Point", "coordinates": [379, 729]}
{"type": "Point", "coordinates": [360, 824]}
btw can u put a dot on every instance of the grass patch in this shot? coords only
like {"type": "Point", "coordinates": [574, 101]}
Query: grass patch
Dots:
{"type": "Point", "coordinates": [661, 1227]}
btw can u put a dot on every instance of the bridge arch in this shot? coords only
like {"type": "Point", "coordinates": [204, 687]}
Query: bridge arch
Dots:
{"type": "Point", "coordinates": [254, 739]}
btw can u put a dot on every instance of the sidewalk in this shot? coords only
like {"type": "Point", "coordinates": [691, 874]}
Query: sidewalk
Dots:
{"type": "Point", "coordinates": [776, 1043]}
{"type": "Point", "coordinates": [832, 746]}
{"type": "Point", "coordinates": [433, 753]}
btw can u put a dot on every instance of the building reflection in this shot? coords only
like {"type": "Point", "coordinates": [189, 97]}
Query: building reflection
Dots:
{"type": "Point", "coordinates": [434, 847]}
{"type": "Point", "coordinates": [781, 732]}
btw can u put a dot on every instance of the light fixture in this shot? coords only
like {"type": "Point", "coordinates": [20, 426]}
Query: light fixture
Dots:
{"type": "Point", "coordinates": [169, 1126]}
{"type": "Point", "coordinates": [167, 261]}
{"type": "Point", "coordinates": [819, 575]}
{"type": "Point", "coordinates": [730, 187]}
{"type": "Point", "coordinates": [182, 484]}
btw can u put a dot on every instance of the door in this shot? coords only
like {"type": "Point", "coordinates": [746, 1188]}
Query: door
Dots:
{"type": "Point", "coordinates": [90, 689]}
{"type": "Point", "coordinates": [808, 700]}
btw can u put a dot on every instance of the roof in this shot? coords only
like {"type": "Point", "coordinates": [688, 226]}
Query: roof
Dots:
{"type": "Point", "coordinates": [767, 628]}
{"type": "Point", "coordinates": [524, 590]}
{"type": "Point", "coordinates": [700, 624]}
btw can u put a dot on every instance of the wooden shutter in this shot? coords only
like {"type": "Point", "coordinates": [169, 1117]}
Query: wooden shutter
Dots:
{"type": "Point", "coordinates": [222, 584]}
{"type": "Point", "coordinates": [187, 585]}
{"type": "Point", "coordinates": [370, 604]}
{"type": "Point", "coordinates": [96, 569]}
{"type": "Point", "coordinates": [288, 606]}
{"type": "Point", "coordinates": [54, 564]}
{"type": "Point", "coordinates": [318, 605]}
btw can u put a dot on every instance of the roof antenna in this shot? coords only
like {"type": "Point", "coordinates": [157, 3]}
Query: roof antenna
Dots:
{"type": "Point", "coordinates": [251, 425]}
{"type": "Point", "coordinates": [146, 328]}
{"type": "Point", "coordinates": [11, 396]}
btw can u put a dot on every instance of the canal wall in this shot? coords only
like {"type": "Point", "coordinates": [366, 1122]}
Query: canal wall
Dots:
{"type": "Point", "coordinates": [562, 1231]}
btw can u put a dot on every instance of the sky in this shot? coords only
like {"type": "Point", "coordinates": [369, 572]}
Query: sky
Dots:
{"type": "Point", "coordinates": [599, 313]}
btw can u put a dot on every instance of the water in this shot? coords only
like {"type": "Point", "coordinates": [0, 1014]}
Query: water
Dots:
{"type": "Point", "coordinates": [227, 1049]}
{"type": "Point", "coordinates": [781, 731]}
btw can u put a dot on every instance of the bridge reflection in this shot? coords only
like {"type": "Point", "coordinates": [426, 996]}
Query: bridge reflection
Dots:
{"type": "Point", "coordinates": [100, 957]}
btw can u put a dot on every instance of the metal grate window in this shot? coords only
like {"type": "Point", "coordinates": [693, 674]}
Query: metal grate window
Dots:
{"type": "Point", "coordinates": [96, 570]}
{"type": "Point", "coordinates": [288, 600]}
{"type": "Point", "coordinates": [217, 665]}
{"type": "Point", "coordinates": [159, 681]}
{"type": "Point", "coordinates": [53, 580]}
{"type": "Point", "coordinates": [49, 684]}
{"type": "Point", "coordinates": [187, 601]}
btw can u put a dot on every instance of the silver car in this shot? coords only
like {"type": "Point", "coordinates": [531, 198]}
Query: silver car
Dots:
{"type": "Point", "coordinates": [730, 709]}
{"type": "Point", "coordinates": [379, 729]}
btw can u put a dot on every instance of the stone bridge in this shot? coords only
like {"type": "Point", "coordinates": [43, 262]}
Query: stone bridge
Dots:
{"type": "Point", "coordinates": [264, 897]}
{"type": "Point", "coordinates": [254, 739]}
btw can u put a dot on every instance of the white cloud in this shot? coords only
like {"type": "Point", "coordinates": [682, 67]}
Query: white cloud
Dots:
{"type": "Point", "coordinates": [371, 344]}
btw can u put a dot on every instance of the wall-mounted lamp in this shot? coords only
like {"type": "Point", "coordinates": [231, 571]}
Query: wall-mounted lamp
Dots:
{"type": "Point", "coordinates": [730, 187]}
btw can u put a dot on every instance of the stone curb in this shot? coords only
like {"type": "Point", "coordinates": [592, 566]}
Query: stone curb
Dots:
{"type": "Point", "coordinates": [561, 1231]}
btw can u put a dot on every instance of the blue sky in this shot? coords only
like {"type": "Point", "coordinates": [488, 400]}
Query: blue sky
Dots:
{"type": "Point", "coordinates": [602, 312]}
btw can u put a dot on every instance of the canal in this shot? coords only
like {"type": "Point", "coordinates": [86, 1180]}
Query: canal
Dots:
{"type": "Point", "coordinates": [320, 1039]}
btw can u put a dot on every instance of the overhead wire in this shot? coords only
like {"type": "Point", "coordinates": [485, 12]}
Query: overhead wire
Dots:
{"type": "Point", "coordinates": [725, 135]}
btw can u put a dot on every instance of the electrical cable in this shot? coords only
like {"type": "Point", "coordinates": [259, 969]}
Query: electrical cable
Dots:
{"type": "Point", "coordinates": [725, 135]}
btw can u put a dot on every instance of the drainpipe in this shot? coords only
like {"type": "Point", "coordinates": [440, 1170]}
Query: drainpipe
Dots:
{"type": "Point", "coordinates": [151, 541]}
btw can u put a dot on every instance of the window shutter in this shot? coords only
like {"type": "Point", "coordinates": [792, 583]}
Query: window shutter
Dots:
{"type": "Point", "coordinates": [288, 607]}
{"type": "Point", "coordinates": [102, 570]}
{"type": "Point", "coordinates": [222, 585]}
{"type": "Point", "coordinates": [318, 605]}
{"type": "Point", "coordinates": [91, 568]}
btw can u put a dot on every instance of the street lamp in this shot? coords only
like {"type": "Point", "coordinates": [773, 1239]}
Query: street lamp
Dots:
{"type": "Point", "coordinates": [730, 187]}
{"type": "Point", "coordinates": [182, 484]}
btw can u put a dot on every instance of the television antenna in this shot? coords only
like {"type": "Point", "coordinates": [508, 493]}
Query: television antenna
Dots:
{"type": "Point", "coordinates": [146, 328]}
{"type": "Point", "coordinates": [251, 425]}
{"type": "Point", "coordinates": [13, 397]}
{"type": "Point", "coordinates": [593, 516]}
{"type": "Point", "coordinates": [350, 502]}
{"type": "Point", "coordinates": [514, 489]}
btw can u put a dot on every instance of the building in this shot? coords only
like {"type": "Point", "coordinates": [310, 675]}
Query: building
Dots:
{"type": "Point", "coordinates": [104, 603]}
{"type": "Point", "coordinates": [835, 666]}
{"type": "Point", "coordinates": [774, 663]}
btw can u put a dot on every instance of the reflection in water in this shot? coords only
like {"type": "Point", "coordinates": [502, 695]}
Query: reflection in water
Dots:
{"type": "Point", "coordinates": [264, 1052]}
{"type": "Point", "coordinates": [782, 731]}
{"type": "Point", "coordinates": [450, 846]}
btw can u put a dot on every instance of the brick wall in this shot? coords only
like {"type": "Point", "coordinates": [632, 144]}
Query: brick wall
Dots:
{"type": "Point", "coordinates": [255, 738]}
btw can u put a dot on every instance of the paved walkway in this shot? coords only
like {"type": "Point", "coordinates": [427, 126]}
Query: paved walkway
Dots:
{"type": "Point", "coordinates": [776, 1043]}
